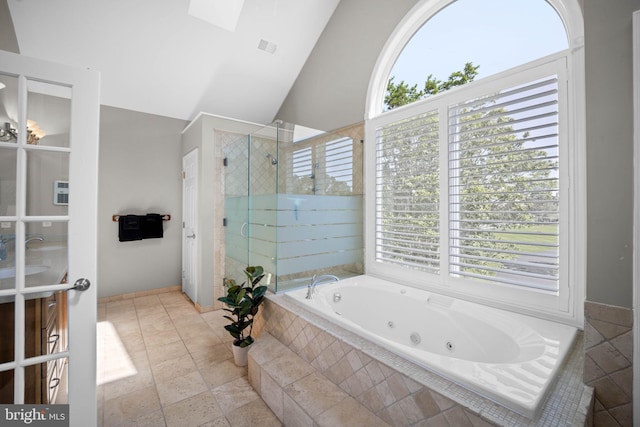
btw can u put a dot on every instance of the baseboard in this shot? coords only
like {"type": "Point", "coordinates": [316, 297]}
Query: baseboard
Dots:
{"type": "Point", "coordinates": [139, 294]}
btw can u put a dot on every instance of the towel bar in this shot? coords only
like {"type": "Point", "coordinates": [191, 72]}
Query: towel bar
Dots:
{"type": "Point", "coordinates": [116, 217]}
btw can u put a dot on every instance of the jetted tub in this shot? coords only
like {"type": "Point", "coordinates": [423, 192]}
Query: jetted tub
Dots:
{"type": "Point", "coordinates": [509, 358]}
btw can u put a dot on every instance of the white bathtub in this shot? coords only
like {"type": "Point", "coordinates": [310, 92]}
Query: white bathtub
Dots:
{"type": "Point", "coordinates": [509, 358]}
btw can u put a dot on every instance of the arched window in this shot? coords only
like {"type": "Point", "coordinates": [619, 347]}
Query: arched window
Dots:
{"type": "Point", "coordinates": [476, 188]}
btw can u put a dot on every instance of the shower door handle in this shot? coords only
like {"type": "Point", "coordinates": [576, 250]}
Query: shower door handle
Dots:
{"type": "Point", "coordinates": [244, 225]}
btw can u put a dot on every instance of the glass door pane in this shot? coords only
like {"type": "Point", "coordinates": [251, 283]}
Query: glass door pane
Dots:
{"type": "Point", "coordinates": [236, 208]}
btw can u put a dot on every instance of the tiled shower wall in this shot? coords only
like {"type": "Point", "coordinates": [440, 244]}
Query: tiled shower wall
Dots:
{"type": "Point", "coordinates": [608, 362]}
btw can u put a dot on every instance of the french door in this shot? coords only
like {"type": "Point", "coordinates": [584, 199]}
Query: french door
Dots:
{"type": "Point", "coordinates": [49, 116]}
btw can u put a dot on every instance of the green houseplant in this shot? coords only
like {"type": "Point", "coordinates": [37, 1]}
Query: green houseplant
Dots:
{"type": "Point", "coordinates": [243, 302]}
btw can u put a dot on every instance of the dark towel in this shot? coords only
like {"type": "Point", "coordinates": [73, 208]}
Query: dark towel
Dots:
{"type": "Point", "coordinates": [152, 226]}
{"type": "Point", "coordinates": [129, 228]}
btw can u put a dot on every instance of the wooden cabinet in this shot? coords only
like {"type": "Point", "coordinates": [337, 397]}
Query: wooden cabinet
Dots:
{"type": "Point", "coordinates": [45, 333]}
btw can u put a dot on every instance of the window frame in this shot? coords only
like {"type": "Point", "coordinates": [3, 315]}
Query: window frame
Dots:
{"type": "Point", "coordinates": [567, 306]}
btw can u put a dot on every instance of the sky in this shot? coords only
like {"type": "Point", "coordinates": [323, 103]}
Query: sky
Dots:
{"type": "Point", "coordinates": [495, 34]}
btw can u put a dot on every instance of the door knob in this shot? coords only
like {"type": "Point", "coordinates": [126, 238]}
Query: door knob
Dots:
{"type": "Point", "coordinates": [80, 285]}
{"type": "Point", "coordinates": [191, 236]}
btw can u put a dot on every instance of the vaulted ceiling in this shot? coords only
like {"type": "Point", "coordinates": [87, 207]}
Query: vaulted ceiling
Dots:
{"type": "Point", "coordinates": [155, 57]}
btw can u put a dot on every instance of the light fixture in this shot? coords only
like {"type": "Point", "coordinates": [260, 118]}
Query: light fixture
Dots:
{"type": "Point", "coordinates": [2, 85]}
{"type": "Point", "coordinates": [7, 133]}
{"type": "Point", "coordinates": [34, 133]}
{"type": "Point", "coordinates": [221, 13]}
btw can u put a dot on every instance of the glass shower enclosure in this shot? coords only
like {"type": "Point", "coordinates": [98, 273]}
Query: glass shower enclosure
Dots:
{"type": "Point", "coordinates": [294, 205]}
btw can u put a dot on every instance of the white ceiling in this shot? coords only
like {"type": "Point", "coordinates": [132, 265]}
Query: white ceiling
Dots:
{"type": "Point", "coordinates": [156, 58]}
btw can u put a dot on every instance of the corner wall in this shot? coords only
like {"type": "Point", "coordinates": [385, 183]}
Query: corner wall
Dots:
{"type": "Point", "coordinates": [139, 173]}
{"type": "Point", "coordinates": [609, 131]}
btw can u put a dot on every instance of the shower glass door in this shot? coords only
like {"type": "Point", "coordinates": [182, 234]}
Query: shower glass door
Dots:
{"type": "Point", "coordinates": [236, 207]}
{"type": "Point", "coordinates": [293, 204]}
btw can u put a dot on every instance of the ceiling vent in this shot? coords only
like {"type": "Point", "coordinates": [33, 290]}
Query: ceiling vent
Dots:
{"type": "Point", "coordinates": [267, 46]}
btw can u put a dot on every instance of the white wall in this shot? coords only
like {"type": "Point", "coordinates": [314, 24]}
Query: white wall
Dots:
{"type": "Point", "coordinates": [331, 89]}
{"type": "Point", "coordinates": [140, 172]}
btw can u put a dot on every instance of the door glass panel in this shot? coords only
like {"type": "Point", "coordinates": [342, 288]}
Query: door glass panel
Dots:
{"type": "Point", "coordinates": [46, 253]}
{"type": "Point", "coordinates": [45, 323]}
{"type": "Point", "coordinates": [7, 255]}
{"type": "Point", "coordinates": [7, 329]}
{"type": "Point", "coordinates": [6, 387]}
{"type": "Point", "coordinates": [7, 181]}
{"type": "Point", "coordinates": [46, 383]}
{"type": "Point", "coordinates": [8, 108]}
{"type": "Point", "coordinates": [47, 182]}
{"type": "Point", "coordinates": [48, 114]}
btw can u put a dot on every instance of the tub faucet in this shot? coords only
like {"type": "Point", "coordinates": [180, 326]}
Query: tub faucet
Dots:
{"type": "Point", "coordinates": [317, 279]}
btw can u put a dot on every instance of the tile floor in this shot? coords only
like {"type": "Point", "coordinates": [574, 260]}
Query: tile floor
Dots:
{"type": "Point", "coordinates": [160, 362]}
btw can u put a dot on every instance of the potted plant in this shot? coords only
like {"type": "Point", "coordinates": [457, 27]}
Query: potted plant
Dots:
{"type": "Point", "coordinates": [242, 303]}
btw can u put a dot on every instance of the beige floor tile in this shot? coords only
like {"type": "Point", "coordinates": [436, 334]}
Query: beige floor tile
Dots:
{"type": "Point", "coordinates": [232, 395]}
{"type": "Point", "coordinates": [154, 419]}
{"type": "Point", "coordinates": [180, 388]}
{"type": "Point", "coordinates": [173, 368]}
{"type": "Point", "coordinates": [204, 343]}
{"type": "Point", "coordinates": [128, 384]}
{"type": "Point", "coordinates": [192, 412]}
{"type": "Point", "coordinates": [253, 414]}
{"type": "Point", "coordinates": [147, 301]}
{"type": "Point", "coordinates": [161, 353]}
{"type": "Point", "coordinates": [129, 407]}
{"type": "Point", "coordinates": [349, 413]}
{"type": "Point", "coordinates": [161, 338]}
{"type": "Point", "coordinates": [217, 353]}
{"type": "Point", "coordinates": [218, 422]}
{"type": "Point", "coordinates": [222, 372]}
{"type": "Point", "coordinates": [155, 323]}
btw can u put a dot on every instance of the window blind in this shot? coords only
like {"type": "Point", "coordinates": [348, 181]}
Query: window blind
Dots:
{"type": "Point", "coordinates": [407, 194]}
{"type": "Point", "coordinates": [503, 186]}
{"type": "Point", "coordinates": [337, 157]}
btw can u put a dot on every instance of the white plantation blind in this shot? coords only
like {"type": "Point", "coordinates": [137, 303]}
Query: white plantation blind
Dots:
{"type": "Point", "coordinates": [407, 194]}
{"type": "Point", "coordinates": [338, 167]}
{"type": "Point", "coordinates": [324, 168]}
{"type": "Point", "coordinates": [303, 162]}
{"type": "Point", "coordinates": [500, 222]}
{"type": "Point", "coordinates": [503, 186]}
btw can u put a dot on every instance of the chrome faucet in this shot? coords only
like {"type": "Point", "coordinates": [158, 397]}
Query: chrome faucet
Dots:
{"type": "Point", "coordinates": [31, 239]}
{"type": "Point", "coordinates": [317, 279]}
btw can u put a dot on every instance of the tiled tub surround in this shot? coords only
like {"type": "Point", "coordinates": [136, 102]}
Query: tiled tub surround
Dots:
{"type": "Point", "coordinates": [392, 389]}
{"type": "Point", "coordinates": [509, 358]}
{"type": "Point", "coordinates": [608, 362]}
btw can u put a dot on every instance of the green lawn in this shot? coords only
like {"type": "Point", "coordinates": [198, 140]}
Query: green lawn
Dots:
{"type": "Point", "coordinates": [548, 237]}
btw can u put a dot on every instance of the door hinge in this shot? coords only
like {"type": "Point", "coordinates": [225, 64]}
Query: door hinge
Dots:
{"type": "Point", "coordinates": [184, 175]}
{"type": "Point", "coordinates": [225, 162]}
{"type": "Point", "coordinates": [224, 222]}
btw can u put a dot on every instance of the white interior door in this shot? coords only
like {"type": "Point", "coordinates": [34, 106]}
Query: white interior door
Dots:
{"type": "Point", "coordinates": [190, 225]}
{"type": "Point", "coordinates": [48, 240]}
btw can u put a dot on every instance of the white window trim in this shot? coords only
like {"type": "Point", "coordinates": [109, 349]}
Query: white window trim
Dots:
{"type": "Point", "coordinates": [569, 308]}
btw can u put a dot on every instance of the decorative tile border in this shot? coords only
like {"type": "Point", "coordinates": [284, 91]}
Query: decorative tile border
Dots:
{"type": "Point", "coordinates": [400, 392]}
{"type": "Point", "coordinates": [608, 362]}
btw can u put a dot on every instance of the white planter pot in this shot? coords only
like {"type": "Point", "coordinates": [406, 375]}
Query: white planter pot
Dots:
{"type": "Point", "coordinates": [240, 355]}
